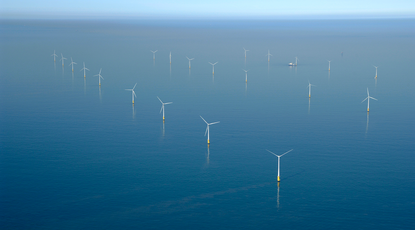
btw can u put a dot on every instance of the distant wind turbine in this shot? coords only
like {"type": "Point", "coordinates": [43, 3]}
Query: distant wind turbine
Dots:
{"type": "Point", "coordinates": [154, 54]}
{"type": "Point", "coordinates": [84, 70]}
{"type": "Point", "coordinates": [132, 92]}
{"type": "Point", "coordinates": [189, 61]}
{"type": "Point", "coordinates": [162, 106]}
{"type": "Point", "coordinates": [279, 156]}
{"type": "Point", "coordinates": [269, 55]}
{"type": "Point", "coordinates": [329, 64]}
{"type": "Point", "coordinates": [309, 89]}
{"type": "Point", "coordinates": [54, 56]}
{"type": "Point", "coordinates": [376, 75]}
{"type": "Point", "coordinates": [368, 99]}
{"type": "Point", "coordinates": [62, 59]}
{"type": "Point", "coordinates": [213, 66]}
{"type": "Point", "coordinates": [72, 63]}
{"type": "Point", "coordinates": [99, 77]}
{"type": "Point", "coordinates": [170, 57]}
{"type": "Point", "coordinates": [246, 75]}
{"type": "Point", "coordinates": [207, 128]}
{"type": "Point", "coordinates": [245, 52]}
{"type": "Point", "coordinates": [293, 64]}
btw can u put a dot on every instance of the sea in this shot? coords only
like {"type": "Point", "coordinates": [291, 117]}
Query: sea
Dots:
{"type": "Point", "coordinates": [76, 155]}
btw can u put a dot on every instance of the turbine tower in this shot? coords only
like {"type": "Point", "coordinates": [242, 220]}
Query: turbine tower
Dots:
{"type": "Point", "coordinates": [99, 77]}
{"type": "Point", "coordinates": [207, 128]}
{"type": "Point", "coordinates": [309, 89]}
{"type": "Point", "coordinates": [154, 54]}
{"type": "Point", "coordinates": [72, 63]}
{"type": "Point", "coordinates": [376, 75]}
{"type": "Point", "coordinates": [246, 75]}
{"type": "Point", "coordinates": [162, 106]}
{"type": "Point", "coordinates": [54, 56]}
{"type": "Point", "coordinates": [329, 64]}
{"type": "Point", "coordinates": [269, 55]}
{"type": "Point", "coordinates": [62, 59]}
{"type": "Point", "coordinates": [189, 61]}
{"type": "Point", "coordinates": [132, 92]}
{"type": "Point", "coordinates": [213, 66]}
{"type": "Point", "coordinates": [278, 165]}
{"type": "Point", "coordinates": [368, 99]}
{"type": "Point", "coordinates": [84, 70]}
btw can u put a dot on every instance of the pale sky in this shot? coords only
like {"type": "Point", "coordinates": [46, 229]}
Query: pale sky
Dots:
{"type": "Point", "coordinates": [238, 9]}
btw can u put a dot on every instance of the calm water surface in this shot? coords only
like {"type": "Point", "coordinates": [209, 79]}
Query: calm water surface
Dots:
{"type": "Point", "coordinates": [74, 155]}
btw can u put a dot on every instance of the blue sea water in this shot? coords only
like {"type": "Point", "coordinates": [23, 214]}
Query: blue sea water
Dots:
{"type": "Point", "coordinates": [74, 155]}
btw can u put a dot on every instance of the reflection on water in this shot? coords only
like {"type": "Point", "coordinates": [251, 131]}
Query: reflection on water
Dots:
{"type": "Point", "coordinates": [278, 195]}
{"type": "Point", "coordinates": [170, 69]}
{"type": "Point", "coordinates": [100, 96]}
{"type": "Point", "coordinates": [367, 123]}
{"type": "Point", "coordinates": [133, 111]}
{"type": "Point", "coordinates": [84, 85]}
{"type": "Point", "coordinates": [328, 76]}
{"type": "Point", "coordinates": [208, 154]}
{"type": "Point", "coordinates": [309, 105]}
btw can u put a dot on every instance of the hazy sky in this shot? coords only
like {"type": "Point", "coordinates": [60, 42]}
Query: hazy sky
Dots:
{"type": "Point", "coordinates": [206, 9]}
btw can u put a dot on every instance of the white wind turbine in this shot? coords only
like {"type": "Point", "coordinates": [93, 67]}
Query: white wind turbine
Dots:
{"type": "Point", "coordinates": [54, 56]}
{"type": "Point", "coordinates": [170, 57]}
{"type": "Point", "coordinates": [213, 66]}
{"type": "Point", "coordinates": [269, 55]}
{"type": "Point", "coordinates": [329, 64]}
{"type": "Point", "coordinates": [279, 156]}
{"type": "Point", "coordinates": [72, 63]}
{"type": "Point", "coordinates": [189, 61]}
{"type": "Point", "coordinates": [132, 92]}
{"type": "Point", "coordinates": [309, 89]}
{"type": "Point", "coordinates": [84, 70]}
{"type": "Point", "coordinates": [246, 75]}
{"type": "Point", "coordinates": [154, 54]}
{"type": "Point", "coordinates": [368, 99]}
{"type": "Point", "coordinates": [207, 128]}
{"type": "Point", "coordinates": [376, 75]}
{"type": "Point", "coordinates": [245, 52]}
{"type": "Point", "coordinates": [62, 59]}
{"type": "Point", "coordinates": [162, 106]}
{"type": "Point", "coordinates": [99, 76]}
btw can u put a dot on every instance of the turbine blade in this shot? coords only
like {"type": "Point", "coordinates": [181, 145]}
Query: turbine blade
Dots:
{"type": "Point", "coordinates": [168, 103]}
{"type": "Point", "coordinates": [286, 152]}
{"type": "Point", "coordinates": [272, 152]}
{"type": "Point", "coordinates": [160, 100]}
{"type": "Point", "coordinates": [373, 98]}
{"type": "Point", "coordinates": [207, 127]}
{"type": "Point", "coordinates": [134, 86]}
{"type": "Point", "coordinates": [161, 108]}
{"type": "Point", "coordinates": [214, 123]}
{"type": "Point", "coordinates": [204, 120]}
{"type": "Point", "coordinates": [364, 100]}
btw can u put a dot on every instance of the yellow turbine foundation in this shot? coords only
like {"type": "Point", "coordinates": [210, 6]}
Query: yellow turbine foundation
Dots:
{"type": "Point", "coordinates": [84, 76]}
{"type": "Point", "coordinates": [133, 101]}
{"type": "Point", "coordinates": [278, 178]}
{"type": "Point", "coordinates": [309, 96]}
{"type": "Point", "coordinates": [163, 118]}
{"type": "Point", "coordinates": [208, 141]}
{"type": "Point", "coordinates": [367, 109]}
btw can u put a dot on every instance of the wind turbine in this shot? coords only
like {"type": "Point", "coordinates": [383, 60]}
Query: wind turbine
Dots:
{"type": "Point", "coordinates": [189, 61]}
{"type": "Point", "coordinates": [213, 66]}
{"type": "Point", "coordinates": [207, 128]}
{"type": "Point", "coordinates": [154, 54]}
{"type": "Point", "coordinates": [376, 75]}
{"type": "Point", "coordinates": [309, 89]}
{"type": "Point", "coordinates": [132, 92]}
{"type": "Point", "coordinates": [291, 64]}
{"type": "Point", "coordinates": [62, 59]}
{"type": "Point", "coordinates": [84, 70]}
{"type": "Point", "coordinates": [368, 99]}
{"type": "Point", "coordinates": [72, 63]}
{"type": "Point", "coordinates": [99, 77]}
{"type": "Point", "coordinates": [246, 75]}
{"type": "Point", "coordinates": [329, 64]}
{"type": "Point", "coordinates": [269, 55]}
{"type": "Point", "coordinates": [54, 56]}
{"type": "Point", "coordinates": [170, 57]}
{"type": "Point", "coordinates": [162, 106]}
{"type": "Point", "coordinates": [245, 52]}
{"type": "Point", "coordinates": [279, 156]}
